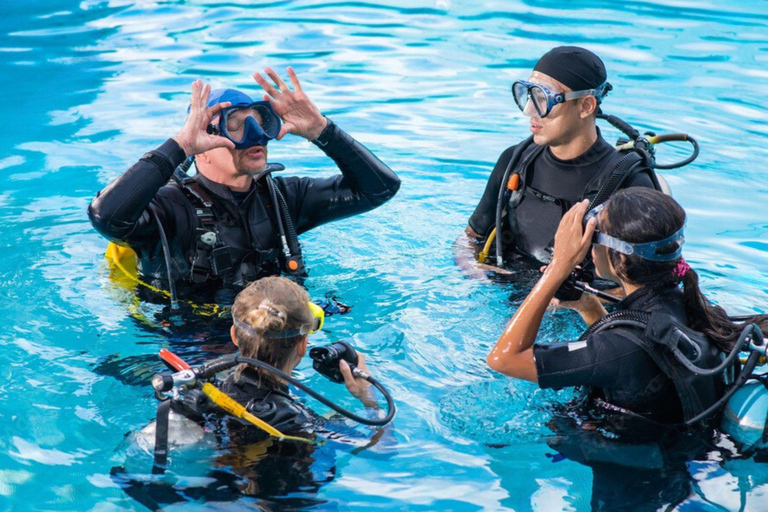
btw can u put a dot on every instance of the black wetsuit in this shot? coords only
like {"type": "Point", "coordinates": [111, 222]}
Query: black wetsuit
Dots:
{"type": "Point", "coordinates": [269, 402]}
{"type": "Point", "coordinates": [552, 187]}
{"type": "Point", "coordinates": [245, 225]}
{"type": "Point", "coordinates": [621, 372]}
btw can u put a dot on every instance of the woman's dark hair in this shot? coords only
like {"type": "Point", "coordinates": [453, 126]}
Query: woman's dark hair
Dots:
{"type": "Point", "coordinates": [638, 215]}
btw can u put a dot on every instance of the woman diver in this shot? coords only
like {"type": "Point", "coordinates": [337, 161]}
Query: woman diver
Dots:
{"type": "Point", "coordinates": [632, 362]}
{"type": "Point", "coordinates": [272, 318]}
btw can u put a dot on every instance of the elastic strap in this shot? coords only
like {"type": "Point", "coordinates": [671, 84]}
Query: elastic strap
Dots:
{"type": "Point", "coordinates": [161, 437]}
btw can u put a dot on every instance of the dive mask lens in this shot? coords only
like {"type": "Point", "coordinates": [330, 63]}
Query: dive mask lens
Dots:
{"type": "Point", "coordinates": [592, 214]}
{"type": "Point", "coordinates": [520, 93]}
{"type": "Point", "coordinates": [540, 100]}
{"type": "Point", "coordinates": [248, 125]}
{"type": "Point", "coordinates": [525, 92]}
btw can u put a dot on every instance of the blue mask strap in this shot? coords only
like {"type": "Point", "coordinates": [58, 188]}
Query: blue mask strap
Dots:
{"type": "Point", "coordinates": [646, 250]}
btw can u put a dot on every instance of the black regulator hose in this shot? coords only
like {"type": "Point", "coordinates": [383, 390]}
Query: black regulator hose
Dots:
{"type": "Point", "coordinates": [166, 256]}
{"type": "Point", "coordinates": [500, 200]}
{"type": "Point", "coordinates": [746, 373]}
{"type": "Point", "coordinates": [227, 362]}
{"type": "Point", "coordinates": [744, 338]}
{"type": "Point", "coordinates": [621, 125]}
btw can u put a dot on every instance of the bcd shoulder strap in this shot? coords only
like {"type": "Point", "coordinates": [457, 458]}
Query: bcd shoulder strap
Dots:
{"type": "Point", "coordinates": [658, 331]}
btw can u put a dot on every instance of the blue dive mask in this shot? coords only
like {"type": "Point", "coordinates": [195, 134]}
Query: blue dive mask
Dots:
{"type": "Point", "coordinates": [646, 250]}
{"type": "Point", "coordinates": [544, 100]}
{"type": "Point", "coordinates": [247, 124]}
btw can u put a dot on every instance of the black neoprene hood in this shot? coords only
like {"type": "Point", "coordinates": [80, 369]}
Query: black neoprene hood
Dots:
{"type": "Point", "coordinates": [573, 66]}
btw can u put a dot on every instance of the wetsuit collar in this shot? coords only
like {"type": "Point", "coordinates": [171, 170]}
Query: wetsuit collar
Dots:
{"type": "Point", "coordinates": [219, 189]}
{"type": "Point", "coordinates": [668, 300]}
{"type": "Point", "coordinates": [595, 152]}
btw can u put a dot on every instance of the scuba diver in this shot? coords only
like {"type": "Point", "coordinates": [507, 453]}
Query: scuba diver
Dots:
{"type": "Point", "coordinates": [655, 375]}
{"type": "Point", "coordinates": [271, 321]}
{"type": "Point", "coordinates": [232, 222]}
{"type": "Point", "coordinates": [274, 446]}
{"type": "Point", "coordinates": [565, 161]}
{"type": "Point", "coordinates": [655, 357]}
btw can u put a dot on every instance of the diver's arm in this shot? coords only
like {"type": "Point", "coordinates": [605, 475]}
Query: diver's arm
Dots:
{"type": "Point", "coordinates": [513, 352]}
{"type": "Point", "coordinates": [119, 211]}
{"type": "Point", "coordinates": [469, 244]}
{"type": "Point", "coordinates": [365, 182]}
{"type": "Point", "coordinates": [588, 306]}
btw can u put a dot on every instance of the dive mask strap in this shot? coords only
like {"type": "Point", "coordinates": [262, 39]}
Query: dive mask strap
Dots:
{"type": "Point", "coordinates": [648, 250]}
{"type": "Point", "coordinates": [317, 324]}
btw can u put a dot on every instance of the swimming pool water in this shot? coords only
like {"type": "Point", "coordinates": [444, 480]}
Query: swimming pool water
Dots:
{"type": "Point", "coordinates": [89, 86]}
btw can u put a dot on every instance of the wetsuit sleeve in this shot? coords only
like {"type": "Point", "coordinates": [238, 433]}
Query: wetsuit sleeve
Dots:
{"type": "Point", "coordinates": [599, 361]}
{"type": "Point", "coordinates": [483, 219]}
{"type": "Point", "coordinates": [364, 184]}
{"type": "Point", "coordinates": [119, 212]}
{"type": "Point", "coordinates": [640, 179]}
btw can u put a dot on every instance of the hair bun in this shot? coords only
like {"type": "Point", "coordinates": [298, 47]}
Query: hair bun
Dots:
{"type": "Point", "coordinates": [266, 317]}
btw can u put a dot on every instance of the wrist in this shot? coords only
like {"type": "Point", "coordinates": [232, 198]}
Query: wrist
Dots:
{"type": "Point", "coordinates": [558, 271]}
{"type": "Point", "coordinates": [184, 145]}
{"type": "Point", "coordinates": [325, 135]}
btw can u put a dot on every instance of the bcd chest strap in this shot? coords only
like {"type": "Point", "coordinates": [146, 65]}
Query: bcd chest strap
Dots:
{"type": "Point", "coordinates": [211, 256]}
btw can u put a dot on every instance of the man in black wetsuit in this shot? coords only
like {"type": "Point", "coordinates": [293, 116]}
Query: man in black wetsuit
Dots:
{"type": "Point", "coordinates": [232, 223]}
{"type": "Point", "coordinates": [566, 161]}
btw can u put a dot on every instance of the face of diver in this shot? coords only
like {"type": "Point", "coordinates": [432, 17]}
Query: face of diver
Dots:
{"type": "Point", "coordinates": [562, 123]}
{"type": "Point", "coordinates": [239, 162]}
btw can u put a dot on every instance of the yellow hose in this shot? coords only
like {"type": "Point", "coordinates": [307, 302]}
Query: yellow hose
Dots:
{"type": "Point", "coordinates": [482, 257]}
{"type": "Point", "coordinates": [235, 409]}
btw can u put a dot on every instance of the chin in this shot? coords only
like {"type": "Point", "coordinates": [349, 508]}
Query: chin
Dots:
{"type": "Point", "coordinates": [540, 139]}
{"type": "Point", "coordinates": [254, 168]}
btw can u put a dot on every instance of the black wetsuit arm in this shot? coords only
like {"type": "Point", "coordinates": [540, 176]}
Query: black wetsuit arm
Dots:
{"type": "Point", "coordinates": [483, 220]}
{"type": "Point", "coordinates": [641, 178]}
{"type": "Point", "coordinates": [601, 361]}
{"type": "Point", "coordinates": [119, 212]}
{"type": "Point", "coordinates": [364, 184]}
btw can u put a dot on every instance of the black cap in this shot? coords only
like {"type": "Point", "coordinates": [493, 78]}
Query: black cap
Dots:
{"type": "Point", "coordinates": [575, 67]}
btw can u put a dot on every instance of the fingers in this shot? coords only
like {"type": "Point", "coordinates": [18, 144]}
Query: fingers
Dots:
{"type": "Point", "coordinates": [346, 372]}
{"type": "Point", "coordinates": [214, 110]}
{"type": "Point", "coordinates": [269, 88]}
{"type": "Point", "coordinates": [294, 79]}
{"type": "Point", "coordinates": [285, 129]}
{"type": "Point", "coordinates": [276, 78]}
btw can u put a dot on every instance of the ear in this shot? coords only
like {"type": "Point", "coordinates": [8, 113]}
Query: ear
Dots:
{"type": "Point", "coordinates": [232, 335]}
{"type": "Point", "coordinates": [587, 106]}
{"type": "Point", "coordinates": [203, 157]}
{"type": "Point", "coordinates": [301, 348]}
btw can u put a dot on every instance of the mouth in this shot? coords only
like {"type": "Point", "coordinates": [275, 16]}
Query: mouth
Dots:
{"type": "Point", "coordinates": [535, 126]}
{"type": "Point", "coordinates": [255, 152]}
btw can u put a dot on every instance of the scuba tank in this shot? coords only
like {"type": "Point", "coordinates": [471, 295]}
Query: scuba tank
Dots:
{"type": "Point", "coordinates": [745, 417]}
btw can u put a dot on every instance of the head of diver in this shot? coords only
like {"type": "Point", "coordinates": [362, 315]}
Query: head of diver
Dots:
{"type": "Point", "coordinates": [566, 126]}
{"type": "Point", "coordinates": [642, 247]}
{"type": "Point", "coordinates": [236, 167]}
{"type": "Point", "coordinates": [272, 318]}
{"type": "Point", "coordinates": [271, 321]}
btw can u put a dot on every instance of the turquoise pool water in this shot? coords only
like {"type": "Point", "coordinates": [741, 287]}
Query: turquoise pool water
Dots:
{"type": "Point", "coordinates": [89, 86]}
